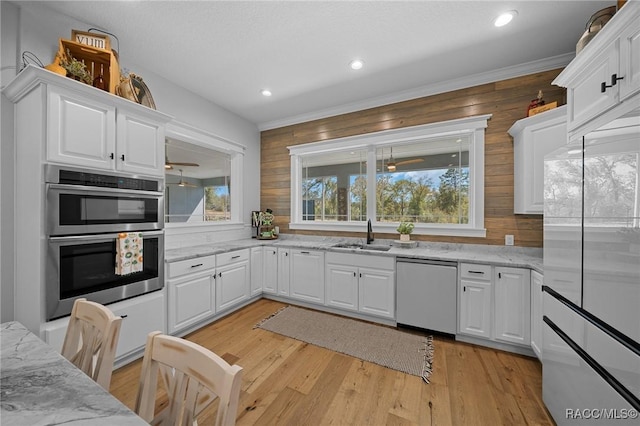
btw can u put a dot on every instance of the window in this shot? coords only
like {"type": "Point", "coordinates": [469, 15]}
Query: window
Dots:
{"type": "Point", "coordinates": [201, 174]}
{"type": "Point", "coordinates": [334, 186]}
{"type": "Point", "coordinates": [424, 182]}
{"type": "Point", "coordinates": [431, 175]}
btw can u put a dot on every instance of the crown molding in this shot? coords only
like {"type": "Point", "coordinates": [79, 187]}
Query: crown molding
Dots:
{"type": "Point", "coordinates": [520, 70]}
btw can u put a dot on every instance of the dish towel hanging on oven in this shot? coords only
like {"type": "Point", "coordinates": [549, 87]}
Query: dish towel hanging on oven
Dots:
{"type": "Point", "coordinates": [128, 253]}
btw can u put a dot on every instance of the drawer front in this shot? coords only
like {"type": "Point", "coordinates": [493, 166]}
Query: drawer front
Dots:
{"type": "Point", "coordinates": [232, 257]}
{"type": "Point", "coordinates": [191, 266]}
{"type": "Point", "coordinates": [475, 271]}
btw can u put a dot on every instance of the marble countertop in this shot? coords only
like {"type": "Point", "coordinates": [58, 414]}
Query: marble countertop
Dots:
{"type": "Point", "coordinates": [517, 257]}
{"type": "Point", "coordinates": [40, 387]}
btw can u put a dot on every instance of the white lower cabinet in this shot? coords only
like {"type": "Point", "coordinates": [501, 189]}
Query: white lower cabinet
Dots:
{"type": "Point", "coordinates": [376, 292]}
{"type": "Point", "coordinates": [513, 305]}
{"type": "Point", "coordinates": [141, 315]}
{"type": "Point", "coordinates": [342, 286]}
{"type": "Point", "coordinates": [233, 279]}
{"type": "Point", "coordinates": [192, 300]}
{"type": "Point", "coordinates": [191, 292]}
{"type": "Point", "coordinates": [537, 281]}
{"type": "Point", "coordinates": [284, 271]}
{"type": "Point", "coordinates": [495, 303]}
{"type": "Point", "coordinates": [361, 283]}
{"type": "Point", "coordinates": [475, 308]}
{"type": "Point", "coordinates": [257, 270]}
{"type": "Point", "coordinates": [270, 277]}
{"type": "Point", "coordinates": [307, 276]}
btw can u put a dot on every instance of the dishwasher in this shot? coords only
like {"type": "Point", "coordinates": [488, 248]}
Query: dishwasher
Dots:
{"type": "Point", "coordinates": [426, 294]}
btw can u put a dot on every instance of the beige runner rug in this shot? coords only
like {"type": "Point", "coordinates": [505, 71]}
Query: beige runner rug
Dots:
{"type": "Point", "coordinates": [386, 346]}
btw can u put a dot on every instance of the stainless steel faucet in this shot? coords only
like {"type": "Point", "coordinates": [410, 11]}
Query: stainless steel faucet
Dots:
{"type": "Point", "coordinates": [369, 232]}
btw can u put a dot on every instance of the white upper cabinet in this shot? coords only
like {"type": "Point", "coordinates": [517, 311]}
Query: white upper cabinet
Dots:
{"type": "Point", "coordinates": [91, 128]}
{"type": "Point", "coordinates": [139, 144]}
{"type": "Point", "coordinates": [605, 73]}
{"type": "Point", "coordinates": [533, 138]}
{"type": "Point", "coordinates": [630, 61]}
{"type": "Point", "coordinates": [88, 133]}
{"type": "Point", "coordinates": [80, 130]}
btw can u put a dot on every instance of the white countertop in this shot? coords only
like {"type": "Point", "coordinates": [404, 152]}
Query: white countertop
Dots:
{"type": "Point", "coordinates": [517, 257]}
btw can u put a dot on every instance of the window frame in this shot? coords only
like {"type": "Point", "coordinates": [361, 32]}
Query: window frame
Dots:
{"type": "Point", "coordinates": [195, 136]}
{"type": "Point", "coordinates": [475, 126]}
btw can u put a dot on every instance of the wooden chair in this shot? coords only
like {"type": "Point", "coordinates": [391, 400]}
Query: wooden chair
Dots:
{"type": "Point", "coordinates": [193, 377]}
{"type": "Point", "coordinates": [91, 340]}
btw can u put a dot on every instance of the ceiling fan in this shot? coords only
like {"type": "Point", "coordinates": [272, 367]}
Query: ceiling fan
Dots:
{"type": "Point", "coordinates": [183, 183]}
{"type": "Point", "coordinates": [168, 165]}
{"type": "Point", "coordinates": [392, 164]}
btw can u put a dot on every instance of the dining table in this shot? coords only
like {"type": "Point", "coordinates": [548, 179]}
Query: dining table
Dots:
{"type": "Point", "coordinates": [39, 386]}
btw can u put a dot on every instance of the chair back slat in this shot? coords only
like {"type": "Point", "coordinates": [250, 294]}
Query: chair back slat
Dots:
{"type": "Point", "coordinates": [91, 340]}
{"type": "Point", "coordinates": [193, 378]}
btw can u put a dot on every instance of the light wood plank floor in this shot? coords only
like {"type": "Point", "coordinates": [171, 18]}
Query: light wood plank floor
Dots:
{"type": "Point", "coordinates": [289, 382]}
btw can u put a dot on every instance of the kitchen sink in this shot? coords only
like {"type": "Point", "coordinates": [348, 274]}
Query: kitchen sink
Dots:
{"type": "Point", "coordinates": [357, 246]}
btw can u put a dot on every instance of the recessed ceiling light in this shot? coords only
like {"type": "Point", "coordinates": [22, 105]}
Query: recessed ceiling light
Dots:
{"type": "Point", "coordinates": [505, 18]}
{"type": "Point", "coordinates": [356, 64]}
{"type": "Point", "coordinates": [265, 92]}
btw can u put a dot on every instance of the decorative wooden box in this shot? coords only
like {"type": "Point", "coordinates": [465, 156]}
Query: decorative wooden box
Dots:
{"type": "Point", "coordinates": [94, 58]}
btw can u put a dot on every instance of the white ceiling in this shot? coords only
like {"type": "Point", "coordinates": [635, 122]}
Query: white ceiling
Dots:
{"type": "Point", "coordinates": [227, 51]}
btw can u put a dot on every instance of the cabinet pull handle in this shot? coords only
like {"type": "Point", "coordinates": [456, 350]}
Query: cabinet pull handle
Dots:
{"type": "Point", "coordinates": [614, 79]}
{"type": "Point", "coordinates": [360, 274]}
{"type": "Point", "coordinates": [476, 272]}
{"type": "Point", "coordinates": [464, 288]}
{"type": "Point", "coordinates": [235, 257]}
{"type": "Point", "coordinates": [122, 157]}
{"type": "Point", "coordinates": [124, 316]}
{"type": "Point", "coordinates": [354, 274]}
{"type": "Point", "coordinates": [304, 252]}
{"type": "Point", "coordinates": [220, 274]}
{"type": "Point", "coordinates": [195, 266]}
{"type": "Point", "coordinates": [286, 253]}
{"type": "Point", "coordinates": [603, 87]}
{"type": "Point", "coordinates": [500, 275]}
{"type": "Point", "coordinates": [111, 156]}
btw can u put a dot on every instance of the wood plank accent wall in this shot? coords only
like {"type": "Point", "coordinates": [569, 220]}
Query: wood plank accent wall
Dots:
{"type": "Point", "coordinates": [507, 100]}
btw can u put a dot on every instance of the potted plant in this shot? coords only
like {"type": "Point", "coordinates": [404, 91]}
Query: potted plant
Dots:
{"type": "Point", "coordinates": [75, 69]}
{"type": "Point", "coordinates": [405, 229]}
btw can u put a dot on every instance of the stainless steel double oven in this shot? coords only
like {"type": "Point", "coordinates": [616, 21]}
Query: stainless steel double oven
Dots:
{"type": "Point", "coordinates": [85, 212]}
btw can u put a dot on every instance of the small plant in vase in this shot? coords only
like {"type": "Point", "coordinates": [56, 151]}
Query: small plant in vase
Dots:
{"type": "Point", "coordinates": [405, 229]}
{"type": "Point", "coordinates": [75, 69]}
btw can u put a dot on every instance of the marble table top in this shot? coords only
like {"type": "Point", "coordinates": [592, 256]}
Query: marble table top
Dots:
{"type": "Point", "coordinates": [40, 387]}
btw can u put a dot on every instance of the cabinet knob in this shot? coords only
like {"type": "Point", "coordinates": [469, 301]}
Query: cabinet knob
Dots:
{"type": "Point", "coordinates": [615, 78]}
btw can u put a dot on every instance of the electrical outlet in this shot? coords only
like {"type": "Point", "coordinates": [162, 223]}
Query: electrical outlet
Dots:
{"type": "Point", "coordinates": [508, 240]}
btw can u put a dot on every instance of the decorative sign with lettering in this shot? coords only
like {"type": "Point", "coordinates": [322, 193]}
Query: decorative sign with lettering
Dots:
{"type": "Point", "coordinates": [91, 39]}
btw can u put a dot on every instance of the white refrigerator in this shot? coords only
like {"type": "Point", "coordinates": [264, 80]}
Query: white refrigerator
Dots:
{"type": "Point", "coordinates": [591, 338]}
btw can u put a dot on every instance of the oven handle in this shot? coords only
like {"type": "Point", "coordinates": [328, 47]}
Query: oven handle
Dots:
{"type": "Point", "coordinates": [100, 237]}
{"type": "Point", "coordinates": [83, 189]}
